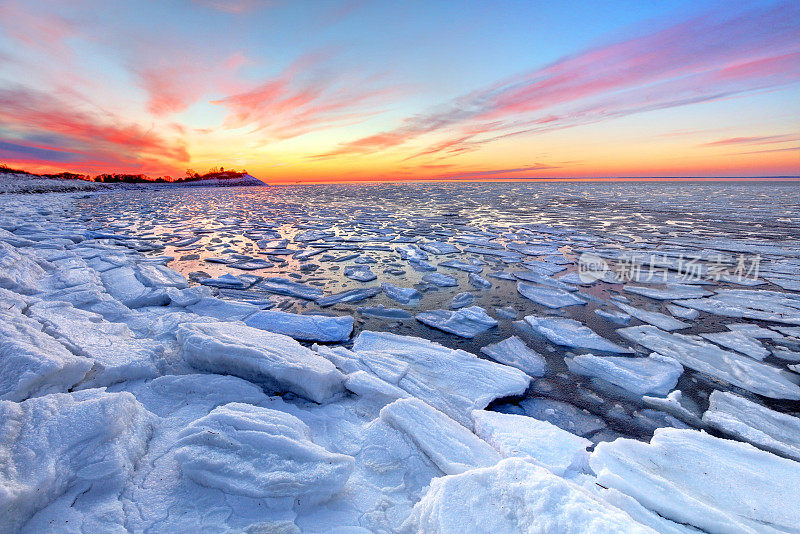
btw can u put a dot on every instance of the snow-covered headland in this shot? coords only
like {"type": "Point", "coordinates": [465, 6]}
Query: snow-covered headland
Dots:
{"type": "Point", "coordinates": [134, 401]}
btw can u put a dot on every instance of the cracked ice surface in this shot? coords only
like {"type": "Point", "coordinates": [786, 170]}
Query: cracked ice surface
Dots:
{"type": "Point", "coordinates": [204, 422]}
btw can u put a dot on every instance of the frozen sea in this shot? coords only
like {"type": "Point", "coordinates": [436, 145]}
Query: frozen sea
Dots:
{"type": "Point", "coordinates": [416, 358]}
{"type": "Point", "coordinates": [313, 234]}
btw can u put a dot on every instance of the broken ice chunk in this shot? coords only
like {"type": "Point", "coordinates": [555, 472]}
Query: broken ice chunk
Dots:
{"type": "Point", "coordinates": [282, 286]}
{"type": "Point", "coordinates": [514, 352]}
{"type": "Point", "coordinates": [748, 421]}
{"type": "Point", "coordinates": [571, 333]}
{"type": "Point", "coordinates": [462, 299]}
{"type": "Point", "coordinates": [523, 436]}
{"type": "Point", "coordinates": [662, 321]}
{"type": "Point", "coordinates": [654, 375]}
{"type": "Point", "coordinates": [322, 328]}
{"type": "Point", "coordinates": [257, 452]}
{"type": "Point", "coordinates": [449, 445]}
{"type": "Point", "coordinates": [349, 296]}
{"type": "Point", "coordinates": [481, 500]}
{"type": "Point", "coordinates": [277, 362]}
{"type": "Point", "coordinates": [546, 296]}
{"type": "Point", "coordinates": [441, 280]}
{"type": "Point", "coordinates": [738, 342]}
{"type": "Point", "coordinates": [685, 476]}
{"type": "Point", "coordinates": [362, 273]}
{"type": "Point", "coordinates": [479, 282]}
{"type": "Point", "coordinates": [403, 295]}
{"type": "Point", "coordinates": [704, 357]}
{"type": "Point", "coordinates": [466, 322]}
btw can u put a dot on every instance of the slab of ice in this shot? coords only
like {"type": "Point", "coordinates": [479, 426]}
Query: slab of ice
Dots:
{"type": "Point", "coordinates": [479, 282]}
{"type": "Point", "coordinates": [17, 272]}
{"type": "Point", "coordinates": [154, 275]}
{"type": "Point", "coordinates": [754, 331]}
{"type": "Point", "coordinates": [514, 496]}
{"type": "Point", "coordinates": [122, 284]}
{"type": "Point", "coordinates": [654, 375]}
{"type": "Point", "coordinates": [320, 328]}
{"type": "Point", "coordinates": [439, 279]}
{"type": "Point", "coordinates": [282, 286]}
{"type": "Point", "coordinates": [465, 322]}
{"type": "Point", "coordinates": [362, 273]}
{"type": "Point", "coordinates": [349, 296]}
{"type": "Point", "coordinates": [662, 321]}
{"type": "Point", "coordinates": [571, 333]}
{"type": "Point", "coordinates": [671, 292]}
{"type": "Point", "coordinates": [541, 279]}
{"type": "Point", "coordinates": [686, 476]}
{"type": "Point", "coordinates": [277, 362]}
{"type": "Point", "coordinates": [84, 444]}
{"type": "Point", "coordinates": [547, 296]}
{"type": "Point", "coordinates": [704, 357]}
{"type": "Point", "coordinates": [461, 266]}
{"type": "Point", "coordinates": [738, 342]}
{"type": "Point", "coordinates": [751, 304]}
{"type": "Point", "coordinates": [462, 299]}
{"type": "Point", "coordinates": [673, 404]}
{"type": "Point", "coordinates": [33, 363]}
{"type": "Point", "coordinates": [438, 247]}
{"type": "Point", "coordinates": [384, 313]}
{"type": "Point", "coordinates": [260, 453]}
{"type": "Point", "coordinates": [748, 421]}
{"type": "Point", "coordinates": [452, 381]}
{"type": "Point", "coordinates": [449, 445]}
{"type": "Point", "coordinates": [614, 316]}
{"type": "Point", "coordinates": [403, 295]}
{"type": "Point", "coordinates": [522, 436]}
{"type": "Point", "coordinates": [227, 310]}
{"type": "Point", "coordinates": [683, 313]}
{"type": "Point", "coordinates": [514, 352]}
{"type": "Point", "coordinates": [117, 355]}
{"type": "Point", "coordinates": [227, 281]}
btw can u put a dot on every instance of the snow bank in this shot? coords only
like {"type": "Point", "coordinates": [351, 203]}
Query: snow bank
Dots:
{"type": "Point", "coordinates": [84, 443]}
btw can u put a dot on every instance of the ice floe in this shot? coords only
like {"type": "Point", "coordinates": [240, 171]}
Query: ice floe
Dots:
{"type": "Point", "coordinates": [653, 375]}
{"type": "Point", "coordinates": [514, 352]}
{"type": "Point", "coordinates": [686, 476]}
{"type": "Point", "coordinates": [465, 322]}
{"type": "Point", "coordinates": [320, 328]}
{"type": "Point", "coordinates": [571, 333]}
{"type": "Point", "coordinates": [704, 357]}
{"type": "Point", "coordinates": [277, 362]}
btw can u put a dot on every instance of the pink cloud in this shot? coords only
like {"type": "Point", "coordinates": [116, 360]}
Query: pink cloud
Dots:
{"type": "Point", "coordinates": [92, 139]}
{"type": "Point", "coordinates": [714, 56]}
{"type": "Point", "coordinates": [301, 99]}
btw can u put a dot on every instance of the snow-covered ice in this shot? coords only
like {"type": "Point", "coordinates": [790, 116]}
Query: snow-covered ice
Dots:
{"type": "Point", "coordinates": [697, 479]}
{"type": "Point", "coordinates": [514, 352]}
{"type": "Point", "coordinates": [748, 421]}
{"type": "Point", "coordinates": [322, 328]}
{"type": "Point", "coordinates": [653, 375]}
{"type": "Point", "coordinates": [571, 333]}
{"type": "Point", "coordinates": [277, 362]}
{"type": "Point", "coordinates": [465, 322]}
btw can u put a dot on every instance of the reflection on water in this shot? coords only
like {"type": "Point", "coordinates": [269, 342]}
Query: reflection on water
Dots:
{"type": "Point", "coordinates": [368, 224]}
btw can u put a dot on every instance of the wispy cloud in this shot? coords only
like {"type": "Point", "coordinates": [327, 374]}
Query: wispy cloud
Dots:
{"type": "Point", "coordinates": [81, 137]}
{"type": "Point", "coordinates": [301, 99]}
{"type": "Point", "coordinates": [754, 140]}
{"type": "Point", "coordinates": [710, 57]}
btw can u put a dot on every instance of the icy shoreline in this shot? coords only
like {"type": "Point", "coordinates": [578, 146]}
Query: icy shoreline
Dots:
{"type": "Point", "coordinates": [133, 401]}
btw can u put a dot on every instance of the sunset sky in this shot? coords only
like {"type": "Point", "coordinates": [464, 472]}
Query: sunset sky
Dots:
{"type": "Point", "coordinates": [324, 90]}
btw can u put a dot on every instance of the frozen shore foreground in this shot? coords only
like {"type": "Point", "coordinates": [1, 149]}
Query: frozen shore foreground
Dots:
{"type": "Point", "coordinates": [132, 401]}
